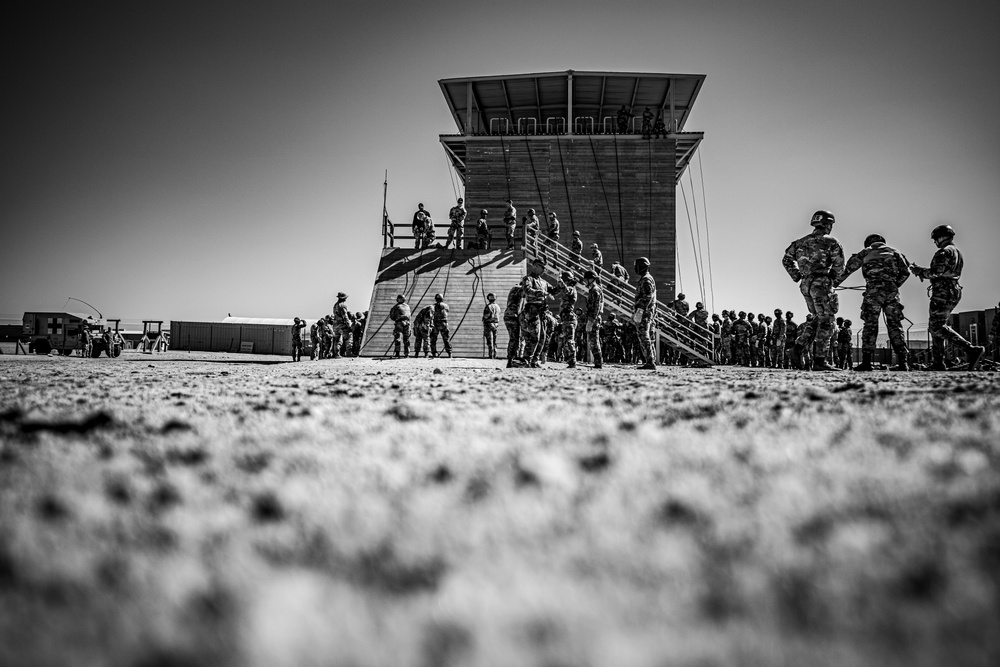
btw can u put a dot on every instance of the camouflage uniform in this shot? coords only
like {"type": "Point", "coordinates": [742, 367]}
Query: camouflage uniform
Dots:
{"type": "Point", "coordinates": [441, 328]}
{"type": "Point", "coordinates": [778, 330]}
{"type": "Point", "coordinates": [548, 339]}
{"type": "Point", "coordinates": [419, 225]}
{"type": "Point", "coordinates": [844, 337]}
{"type": "Point", "coordinates": [647, 123]}
{"type": "Point", "coordinates": [510, 225]}
{"type": "Point", "coordinates": [944, 272]}
{"type": "Point", "coordinates": [553, 227]}
{"type": "Point", "coordinates": [885, 269]}
{"type": "Point", "coordinates": [510, 320]}
{"type": "Point", "coordinates": [491, 321]}
{"type": "Point", "coordinates": [297, 340]}
{"type": "Point", "coordinates": [598, 258]}
{"type": "Point", "coordinates": [422, 330]}
{"type": "Point", "coordinates": [483, 237]}
{"type": "Point", "coordinates": [700, 317]}
{"type": "Point", "coordinates": [619, 271]}
{"type": "Point", "coordinates": [727, 338]}
{"type": "Point", "coordinates": [645, 301]}
{"type": "Point", "coordinates": [816, 261]}
{"type": "Point", "coordinates": [567, 323]}
{"type": "Point", "coordinates": [577, 246]}
{"type": "Point", "coordinates": [994, 336]}
{"type": "Point", "coordinates": [343, 324]}
{"type": "Point", "coordinates": [326, 336]}
{"type": "Point", "coordinates": [429, 232]}
{"type": "Point", "coordinates": [360, 320]}
{"type": "Point", "coordinates": [742, 331]}
{"type": "Point", "coordinates": [533, 290]}
{"type": "Point", "coordinates": [400, 315]}
{"type": "Point", "coordinates": [791, 335]}
{"type": "Point", "coordinates": [456, 231]}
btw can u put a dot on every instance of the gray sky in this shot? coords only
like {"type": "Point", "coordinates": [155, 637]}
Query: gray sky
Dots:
{"type": "Point", "coordinates": [186, 160]}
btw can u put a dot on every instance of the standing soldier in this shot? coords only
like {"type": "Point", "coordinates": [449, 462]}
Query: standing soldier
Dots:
{"type": "Point", "coordinates": [727, 338]}
{"type": "Point", "coordinates": [533, 293]}
{"type": "Point", "coordinates": [510, 320]}
{"type": "Point", "coordinates": [297, 328]}
{"type": "Point", "coordinates": [791, 335]}
{"type": "Point", "coordinates": [86, 344]}
{"type": "Point", "coordinates": [699, 315]}
{"type": "Point", "coordinates": [456, 230]}
{"type": "Point", "coordinates": [844, 337]}
{"type": "Point", "coordinates": [418, 226]}
{"type": "Point", "coordinates": [644, 313]}
{"type": "Point", "coordinates": [778, 337]}
{"type": "Point", "coordinates": [885, 269]}
{"type": "Point", "coordinates": [622, 117]}
{"type": "Point", "coordinates": [834, 355]}
{"type": "Point", "coordinates": [681, 305]}
{"type": "Point", "coordinates": [995, 333]}
{"type": "Point", "coordinates": [483, 238]}
{"type": "Point", "coordinates": [440, 326]}
{"type": "Point", "coordinates": [326, 350]}
{"type": "Point", "coordinates": [549, 339]}
{"type": "Point", "coordinates": [553, 228]}
{"type": "Point", "coordinates": [567, 318]}
{"type": "Point", "coordinates": [422, 330]}
{"type": "Point", "coordinates": [400, 316]}
{"type": "Point", "coordinates": [944, 272]}
{"type": "Point", "coordinates": [742, 331]}
{"type": "Point", "coordinates": [360, 320]}
{"type": "Point", "coordinates": [647, 123]}
{"type": "Point", "coordinates": [491, 320]}
{"type": "Point", "coordinates": [660, 127]}
{"type": "Point", "coordinates": [595, 254]}
{"type": "Point", "coordinates": [767, 348]}
{"type": "Point", "coordinates": [577, 246]}
{"type": "Point", "coordinates": [619, 271]}
{"type": "Point", "coordinates": [816, 261]}
{"type": "Point", "coordinates": [342, 323]}
{"type": "Point", "coordinates": [314, 340]}
{"type": "Point", "coordinates": [592, 323]}
{"type": "Point", "coordinates": [510, 223]}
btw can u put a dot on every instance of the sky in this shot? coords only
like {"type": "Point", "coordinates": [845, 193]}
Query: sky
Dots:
{"type": "Point", "coordinates": [188, 160]}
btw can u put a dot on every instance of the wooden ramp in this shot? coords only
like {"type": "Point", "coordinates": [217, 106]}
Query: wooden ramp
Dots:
{"type": "Point", "coordinates": [464, 277]}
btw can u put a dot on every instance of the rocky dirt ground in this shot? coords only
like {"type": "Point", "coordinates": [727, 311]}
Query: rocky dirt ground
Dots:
{"type": "Point", "coordinates": [203, 510]}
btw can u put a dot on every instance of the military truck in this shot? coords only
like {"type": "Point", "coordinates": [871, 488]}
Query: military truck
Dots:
{"type": "Point", "coordinates": [44, 332]}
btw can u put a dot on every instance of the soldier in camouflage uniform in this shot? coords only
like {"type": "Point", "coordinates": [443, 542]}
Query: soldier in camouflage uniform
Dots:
{"type": "Point", "coordinates": [778, 332]}
{"type": "Point", "coordinates": [440, 326]}
{"type": "Point", "coordinates": [422, 325]}
{"type": "Point", "coordinates": [765, 347]}
{"type": "Point", "coordinates": [994, 337]}
{"type": "Point", "coordinates": [343, 323]}
{"type": "Point", "coordinates": [716, 328]}
{"type": "Point", "coordinates": [791, 335]}
{"type": "Point", "coordinates": [944, 272]}
{"type": "Point", "coordinates": [428, 231]}
{"type": "Point", "coordinates": [644, 312]}
{"type": "Point", "coordinates": [844, 337]}
{"type": "Point", "coordinates": [834, 354]}
{"type": "Point", "coordinates": [752, 343]}
{"type": "Point", "coordinates": [314, 340]}
{"type": "Point", "coordinates": [419, 224]}
{"type": "Point", "coordinates": [592, 316]}
{"type": "Point", "coordinates": [742, 330]}
{"type": "Point", "coordinates": [727, 339]}
{"type": "Point", "coordinates": [510, 224]}
{"type": "Point", "coordinates": [534, 290]}
{"type": "Point", "coordinates": [885, 269]}
{"type": "Point", "coordinates": [456, 231]}
{"type": "Point", "coordinates": [360, 320]}
{"type": "Point", "coordinates": [511, 321]}
{"type": "Point", "coordinates": [491, 321]}
{"type": "Point", "coordinates": [566, 293]}
{"type": "Point", "coordinates": [400, 316]}
{"type": "Point", "coordinates": [619, 271]}
{"type": "Point", "coordinates": [577, 246]}
{"type": "Point", "coordinates": [297, 328]}
{"type": "Point", "coordinates": [550, 341]}
{"type": "Point", "coordinates": [327, 337]}
{"type": "Point", "coordinates": [597, 256]}
{"type": "Point", "coordinates": [816, 261]}
{"type": "Point", "coordinates": [681, 305]}
{"type": "Point", "coordinates": [553, 227]}
{"type": "Point", "coordinates": [699, 315]}
{"type": "Point", "coordinates": [484, 239]}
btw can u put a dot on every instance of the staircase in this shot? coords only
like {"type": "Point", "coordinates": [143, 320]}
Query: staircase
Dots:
{"type": "Point", "coordinates": [679, 332]}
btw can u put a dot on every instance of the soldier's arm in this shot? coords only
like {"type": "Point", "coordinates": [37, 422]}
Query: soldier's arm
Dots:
{"type": "Point", "coordinates": [902, 269]}
{"type": "Point", "coordinates": [942, 262]}
{"type": "Point", "coordinates": [788, 261]}
{"type": "Point", "coordinates": [853, 264]}
{"type": "Point", "coordinates": [836, 261]}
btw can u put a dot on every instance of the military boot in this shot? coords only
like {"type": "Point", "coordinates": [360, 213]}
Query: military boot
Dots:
{"type": "Point", "coordinates": [938, 364]}
{"type": "Point", "coordinates": [406, 348]}
{"type": "Point", "coordinates": [866, 362]}
{"type": "Point", "coordinates": [820, 364]}
{"type": "Point", "coordinates": [902, 360]}
{"type": "Point", "coordinates": [598, 361]}
{"type": "Point", "coordinates": [571, 363]}
{"type": "Point", "coordinates": [395, 353]}
{"type": "Point", "coordinates": [796, 357]}
{"type": "Point", "coordinates": [973, 355]}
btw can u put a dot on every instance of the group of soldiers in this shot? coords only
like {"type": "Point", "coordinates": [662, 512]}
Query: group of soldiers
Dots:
{"type": "Point", "coordinates": [424, 234]}
{"type": "Point", "coordinates": [761, 341]}
{"type": "Point", "coordinates": [430, 323]}
{"type": "Point", "coordinates": [333, 336]}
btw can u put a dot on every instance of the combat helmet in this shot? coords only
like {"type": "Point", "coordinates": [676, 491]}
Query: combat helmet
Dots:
{"type": "Point", "coordinates": [942, 230]}
{"type": "Point", "coordinates": [438, 297]}
{"type": "Point", "coordinates": [641, 261]}
{"type": "Point", "coordinates": [874, 238]}
{"type": "Point", "coordinates": [491, 297]}
{"type": "Point", "coordinates": [567, 277]}
{"type": "Point", "coordinates": [484, 212]}
{"type": "Point", "coordinates": [822, 218]}
{"type": "Point", "coordinates": [400, 298]}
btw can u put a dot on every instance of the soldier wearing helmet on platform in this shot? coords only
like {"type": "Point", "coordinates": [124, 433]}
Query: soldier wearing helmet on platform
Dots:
{"type": "Point", "coordinates": [418, 226]}
{"type": "Point", "coordinates": [945, 292]}
{"type": "Point", "coordinates": [456, 231]}
{"type": "Point", "coordinates": [484, 239]}
{"type": "Point", "coordinates": [400, 316]}
{"type": "Point", "coordinates": [598, 257]}
{"type": "Point", "coordinates": [440, 327]}
{"type": "Point", "coordinates": [647, 123]}
{"type": "Point", "coordinates": [884, 269]}
{"type": "Point", "coordinates": [577, 245]}
{"type": "Point", "coordinates": [510, 223]}
{"type": "Point", "coordinates": [644, 313]}
{"type": "Point", "coordinates": [491, 321]}
{"type": "Point", "coordinates": [619, 271]}
{"type": "Point", "coordinates": [816, 261]}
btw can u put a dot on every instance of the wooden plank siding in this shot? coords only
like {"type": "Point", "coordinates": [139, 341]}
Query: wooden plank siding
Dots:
{"type": "Point", "coordinates": [617, 191]}
{"type": "Point", "coordinates": [463, 277]}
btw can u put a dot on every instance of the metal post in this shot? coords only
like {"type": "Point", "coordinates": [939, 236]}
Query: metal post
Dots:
{"type": "Point", "coordinates": [468, 108]}
{"type": "Point", "coordinates": [569, 100]}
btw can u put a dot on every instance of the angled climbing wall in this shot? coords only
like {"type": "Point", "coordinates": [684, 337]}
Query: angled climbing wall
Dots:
{"type": "Point", "coordinates": [464, 277]}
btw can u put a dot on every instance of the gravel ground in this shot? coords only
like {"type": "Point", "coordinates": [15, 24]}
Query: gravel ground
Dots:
{"type": "Point", "coordinates": [210, 510]}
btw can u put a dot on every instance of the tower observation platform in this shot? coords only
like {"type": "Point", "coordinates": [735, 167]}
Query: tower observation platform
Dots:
{"type": "Point", "coordinates": [603, 150]}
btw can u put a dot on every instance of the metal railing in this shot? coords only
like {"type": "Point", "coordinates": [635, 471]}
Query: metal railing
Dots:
{"type": "Point", "coordinates": [677, 331]}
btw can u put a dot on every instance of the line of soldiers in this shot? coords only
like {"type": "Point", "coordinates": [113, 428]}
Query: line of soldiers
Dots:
{"type": "Point", "coordinates": [429, 323]}
{"type": "Point", "coordinates": [336, 335]}
{"type": "Point", "coordinates": [424, 233]}
{"type": "Point", "coordinates": [816, 262]}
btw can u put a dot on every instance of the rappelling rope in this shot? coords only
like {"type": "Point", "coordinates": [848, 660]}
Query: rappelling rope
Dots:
{"type": "Point", "coordinates": [621, 256]}
{"type": "Point", "coordinates": [697, 229]}
{"type": "Point", "coordinates": [538, 188]}
{"type": "Point", "coordinates": [697, 269]}
{"type": "Point", "coordinates": [708, 238]}
{"type": "Point", "coordinates": [562, 165]}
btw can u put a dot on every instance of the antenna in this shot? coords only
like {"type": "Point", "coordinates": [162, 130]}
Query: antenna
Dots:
{"type": "Point", "coordinates": [73, 298]}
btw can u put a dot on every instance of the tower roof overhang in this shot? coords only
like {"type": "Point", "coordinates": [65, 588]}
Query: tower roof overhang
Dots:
{"type": "Point", "coordinates": [477, 102]}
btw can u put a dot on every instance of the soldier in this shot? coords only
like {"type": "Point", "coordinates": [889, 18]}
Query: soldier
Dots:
{"type": "Point", "coordinates": [326, 349]}
{"type": "Point", "coordinates": [314, 341]}
{"type": "Point", "coordinates": [456, 231]}
{"type": "Point", "coordinates": [767, 347]}
{"type": "Point", "coordinates": [360, 320]}
{"type": "Point", "coordinates": [994, 337]}
{"type": "Point", "coordinates": [619, 271]}
{"type": "Point", "coordinates": [647, 123]}
{"type": "Point", "coordinates": [418, 225]}
{"type": "Point", "coordinates": [491, 321]}
{"type": "Point", "coordinates": [553, 228]}
{"type": "Point", "coordinates": [716, 329]}
{"type": "Point", "coordinates": [615, 349]}
{"type": "Point", "coordinates": [791, 335]}
{"type": "Point", "coordinates": [343, 323]}
{"type": "Point", "coordinates": [530, 223]}
{"type": "Point", "coordinates": [816, 261]}
{"type": "Point", "coordinates": [595, 254]}
{"type": "Point", "coordinates": [885, 269]}
{"type": "Point", "coordinates": [422, 324]}
{"type": "Point", "coordinates": [549, 340]}
{"type": "Point", "coordinates": [699, 315]}
{"type": "Point", "coordinates": [510, 320]}
{"type": "Point", "coordinates": [742, 331]}
{"type": "Point", "coordinates": [623, 117]}
{"type": "Point", "coordinates": [726, 332]}
{"type": "Point", "coordinates": [778, 337]}
{"type": "Point", "coordinates": [483, 237]}
{"type": "Point", "coordinates": [577, 246]}
{"type": "Point", "coordinates": [566, 293]}
{"type": "Point", "coordinates": [834, 354]}
{"type": "Point", "coordinates": [440, 326]}
{"type": "Point", "coordinates": [510, 223]}
{"type": "Point", "coordinates": [297, 327]}
{"type": "Point", "coordinates": [644, 314]}
{"type": "Point", "coordinates": [681, 305]}
{"type": "Point", "coordinates": [660, 128]}
{"type": "Point", "coordinates": [400, 316]}
{"type": "Point", "coordinates": [944, 271]}
{"type": "Point", "coordinates": [533, 293]}
{"type": "Point", "coordinates": [844, 337]}
{"type": "Point", "coordinates": [428, 231]}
